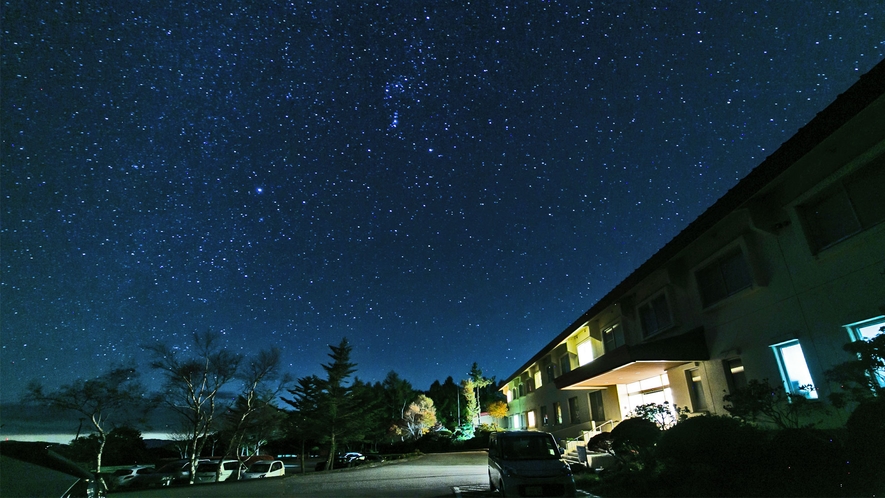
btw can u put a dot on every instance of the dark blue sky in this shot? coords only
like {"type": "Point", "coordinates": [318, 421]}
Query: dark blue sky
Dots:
{"type": "Point", "coordinates": [442, 183]}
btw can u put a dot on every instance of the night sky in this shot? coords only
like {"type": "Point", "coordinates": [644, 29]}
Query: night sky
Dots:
{"type": "Point", "coordinates": [441, 182]}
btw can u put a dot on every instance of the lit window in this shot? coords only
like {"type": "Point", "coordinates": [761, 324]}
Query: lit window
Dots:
{"type": "Point", "coordinates": [866, 331]}
{"type": "Point", "coordinates": [538, 381]}
{"type": "Point", "coordinates": [557, 410]}
{"type": "Point", "coordinates": [585, 352]}
{"type": "Point", "coordinates": [531, 418]}
{"type": "Point", "coordinates": [516, 421]}
{"type": "Point", "coordinates": [612, 337]}
{"type": "Point", "coordinates": [565, 363]}
{"type": "Point", "coordinates": [850, 206]}
{"type": "Point", "coordinates": [651, 390]}
{"type": "Point", "coordinates": [509, 395]}
{"type": "Point", "coordinates": [724, 277]}
{"type": "Point", "coordinates": [654, 315]}
{"type": "Point", "coordinates": [551, 372]}
{"type": "Point", "coordinates": [794, 370]}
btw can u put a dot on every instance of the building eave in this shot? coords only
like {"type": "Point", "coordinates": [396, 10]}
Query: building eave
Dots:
{"type": "Point", "coordinates": [632, 363]}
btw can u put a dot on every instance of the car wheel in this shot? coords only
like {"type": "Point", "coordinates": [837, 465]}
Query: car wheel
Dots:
{"type": "Point", "coordinates": [492, 487]}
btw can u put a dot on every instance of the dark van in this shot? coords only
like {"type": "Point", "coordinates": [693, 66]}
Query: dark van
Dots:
{"type": "Point", "coordinates": [528, 463]}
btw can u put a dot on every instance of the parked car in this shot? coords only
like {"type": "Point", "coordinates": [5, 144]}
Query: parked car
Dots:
{"type": "Point", "coordinates": [218, 471]}
{"type": "Point", "coordinates": [528, 463]}
{"type": "Point", "coordinates": [353, 457]}
{"type": "Point", "coordinates": [32, 469]}
{"type": "Point", "coordinates": [170, 474]}
{"type": "Point", "coordinates": [121, 478]}
{"type": "Point", "coordinates": [266, 468]}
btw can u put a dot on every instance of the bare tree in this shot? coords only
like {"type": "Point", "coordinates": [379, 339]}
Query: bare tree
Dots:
{"type": "Point", "coordinates": [192, 385]}
{"type": "Point", "coordinates": [262, 383]}
{"type": "Point", "coordinates": [112, 393]}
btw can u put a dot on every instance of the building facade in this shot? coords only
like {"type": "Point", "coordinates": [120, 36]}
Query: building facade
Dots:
{"type": "Point", "coordinates": [767, 284]}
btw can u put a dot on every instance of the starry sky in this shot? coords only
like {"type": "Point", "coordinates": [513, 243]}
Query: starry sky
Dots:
{"type": "Point", "coordinates": [441, 182]}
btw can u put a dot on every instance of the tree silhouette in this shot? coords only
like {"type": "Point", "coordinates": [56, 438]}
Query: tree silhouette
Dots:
{"type": "Point", "coordinates": [112, 393]}
{"type": "Point", "coordinates": [192, 386]}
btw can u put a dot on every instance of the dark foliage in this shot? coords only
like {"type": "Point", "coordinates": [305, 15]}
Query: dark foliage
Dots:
{"type": "Point", "coordinates": [711, 456]}
{"type": "Point", "coordinates": [866, 446]}
{"type": "Point", "coordinates": [635, 434]}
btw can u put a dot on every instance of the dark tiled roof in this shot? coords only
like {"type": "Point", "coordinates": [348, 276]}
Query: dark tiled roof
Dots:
{"type": "Point", "coordinates": [869, 87]}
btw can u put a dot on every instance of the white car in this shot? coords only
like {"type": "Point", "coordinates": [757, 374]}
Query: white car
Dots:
{"type": "Point", "coordinates": [217, 471]}
{"type": "Point", "coordinates": [265, 468]}
{"type": "Point", "coordinates": [122, 477]}
{"type": "Point", "coordinates": [353, 457]}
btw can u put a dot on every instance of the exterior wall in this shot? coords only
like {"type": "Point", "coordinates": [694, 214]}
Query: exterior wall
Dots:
{"type": "Point", "coordinates": [797, 293]}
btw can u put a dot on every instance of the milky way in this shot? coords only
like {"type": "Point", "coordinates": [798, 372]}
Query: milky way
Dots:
{"type": "Point", "coordinates": [440, 183]}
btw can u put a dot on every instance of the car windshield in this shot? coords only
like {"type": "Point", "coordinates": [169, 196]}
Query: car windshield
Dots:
{"type": "Point", "coordinates": [528, 448]}
{"type": "Point", "coordinates": [260, 467]}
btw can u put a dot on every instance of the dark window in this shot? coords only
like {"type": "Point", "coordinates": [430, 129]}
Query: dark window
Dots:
{"type": "Point", "coordinates": [565, 364]}
{"type": "Point", "coordinates": [544, 419]}
{"type": "Point", "coordinates": [530, 385]}
{"type": "Point", "coordinates": [574, 416]}
{"type": "Point", "coordinates": [557, 410]}
{"type": "Point", "coordinates": [851, 206]}
{"type": "Point", "coordinates": [734, 372]}
{"type": "Point", "coordinates": [696, 391]}
{"type": "Point", "coordinates": [724, 277]}
{"type": "Point", "coordinates": [612, 337]}
{"type": "Point", "coordinates": [655, 315]}
{"type": "Point", "coordinates": [551, 373]}
{"type": "Point", "coordinates": [597, 407]}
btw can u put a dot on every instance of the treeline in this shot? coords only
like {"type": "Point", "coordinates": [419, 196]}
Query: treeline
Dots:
{"type": "Point", "coordinates": [333, 412]}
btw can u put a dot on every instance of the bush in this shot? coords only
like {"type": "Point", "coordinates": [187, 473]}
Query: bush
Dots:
{"type": "Point", "coordinates": [805, 462]}
{"type": "Point", "coordinates": [709, 456]}
{"type": "Point", "coordinates": [866, 447]}
{"type": "Point", "coordinates": [635, 434]}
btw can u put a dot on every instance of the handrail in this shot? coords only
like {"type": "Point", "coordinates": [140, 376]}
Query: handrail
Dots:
{"type": "Point", "coordinates": [600, 426]}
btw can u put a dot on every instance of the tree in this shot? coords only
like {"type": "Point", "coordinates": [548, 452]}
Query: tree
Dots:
{"type": "Point", "coordinates": [330, 408]}
{"type": "Point", "coordinates": [498, 410]}
{"type": "Point", "coordinates": [192, 386]}
{"type": "Point", "coordinates": [758, 401]}
{"type": "Point", "coordinates": [446, 399]}
{"type": "Point", "coordinates": [662, 414]}
{"type": "Point", "coordinates": [306, 421]}
{"type": "Point", "coordinates": [397, 393]}
{"type": "Point", "coordinates": [419, 417]}
{"type": "Point", "coordinates": [863, 377]}
{"type": "Point", "coordinates": [474, 383]}
{"type": "Point", "coordinates": [98, 400]}
{"type": "Point", "coordinates": [254, 412]}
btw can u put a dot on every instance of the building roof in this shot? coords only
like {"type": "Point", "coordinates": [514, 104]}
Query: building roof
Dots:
{"type": "Point", "coordinates": [847, 105]}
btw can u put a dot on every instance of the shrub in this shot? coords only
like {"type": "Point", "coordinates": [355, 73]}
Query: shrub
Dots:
{"type": "Point", "coordinates": [708, 455]}
{"type": "Point", "coordinates": [865, 443]}
{"type": "Point", "coordinates": [633, 442]}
